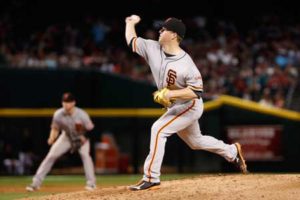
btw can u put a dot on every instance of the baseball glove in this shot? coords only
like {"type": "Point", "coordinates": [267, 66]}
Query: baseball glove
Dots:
{"type": "Point", "coordinates": [75, 144]}
{"type": "Point", "coordinates": [160, 97]}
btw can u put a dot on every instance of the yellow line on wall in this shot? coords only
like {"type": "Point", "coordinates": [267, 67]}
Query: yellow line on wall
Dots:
{"type": "Point", "coordinates": [26, 112]}
{"type": "Point", "coordinates": [48, 112]}
{"type": "Point", "coordinates": [212, 105]}
{"type": "Point", "coordinates": [256, 107]}
{"type": "Point", "coordinates": [130, 112]}
{"type": "Point", "coordinates": [156, 112]}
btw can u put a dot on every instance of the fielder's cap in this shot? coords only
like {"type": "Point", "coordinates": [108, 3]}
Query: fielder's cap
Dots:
{"type": "Point", "coordinates": [175, 25]}
{"type": "Point", "coordinates": [68, 97]}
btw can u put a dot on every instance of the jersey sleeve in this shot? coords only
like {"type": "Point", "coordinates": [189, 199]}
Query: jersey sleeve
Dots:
{"type": "Point", "coordinates": [194, 80]}
{"type": "Point", "coordinates": [142, 46]}
{"type": "Point", "coordinates": [88, 124]}
{"type": "Point", "coordinates": [55, 121]}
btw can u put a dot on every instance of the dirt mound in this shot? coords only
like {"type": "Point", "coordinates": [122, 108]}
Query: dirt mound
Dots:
{"type": "Point", "coordinates": [221, 187]}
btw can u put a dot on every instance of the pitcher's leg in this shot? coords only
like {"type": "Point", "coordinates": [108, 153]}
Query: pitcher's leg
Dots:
{"type": "Point", "coordinates": [154, 159]}
{"type": "Point", "coordinates": [193, 137]}
{"type": "Point", "coordinates": [171, 122]}
{"type": "Point", "coordinates": [61, 146]}
{"type": "Point", "coordinates": [88, 164]}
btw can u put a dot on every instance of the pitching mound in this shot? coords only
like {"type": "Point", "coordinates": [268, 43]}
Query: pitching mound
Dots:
{"type": "Point", "coordinates": [221, 187]}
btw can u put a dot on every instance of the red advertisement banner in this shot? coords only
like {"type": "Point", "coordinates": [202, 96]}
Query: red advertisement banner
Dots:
{"type": "Point", "coordinates": [259, 142]}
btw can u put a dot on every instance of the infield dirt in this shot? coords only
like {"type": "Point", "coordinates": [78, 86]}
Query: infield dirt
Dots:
{"type": "Point", "coordinates": [221, 187]}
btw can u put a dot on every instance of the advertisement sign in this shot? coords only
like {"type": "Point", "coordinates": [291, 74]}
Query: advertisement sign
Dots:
{"type": "Point", "coordinates": [259, 142]}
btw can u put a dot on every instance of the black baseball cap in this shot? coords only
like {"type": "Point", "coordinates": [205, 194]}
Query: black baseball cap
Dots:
{"type": "Point", "coordinates": [68, 97]}
{"type": "Point", "coordinates": [175, 25]}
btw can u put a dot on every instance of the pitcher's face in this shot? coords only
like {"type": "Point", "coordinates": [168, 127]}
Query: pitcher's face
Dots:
{"type": "Point", "coordinates": [68, 106]}
{"type": "Point", "coordinates": [165, 36]}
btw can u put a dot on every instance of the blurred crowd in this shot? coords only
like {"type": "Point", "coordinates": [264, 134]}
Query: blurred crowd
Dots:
{"type": "Point", "coordinates": [261, 63]}
{"type": "Point", "coordinates": [16, 155]}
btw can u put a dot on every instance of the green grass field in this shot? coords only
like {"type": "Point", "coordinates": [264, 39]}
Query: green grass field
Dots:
{"type": "Point", "coordinates": [13, 187]}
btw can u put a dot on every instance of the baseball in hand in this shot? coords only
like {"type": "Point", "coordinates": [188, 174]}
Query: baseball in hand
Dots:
{"type": "Point", "coordinates": [135, 18]}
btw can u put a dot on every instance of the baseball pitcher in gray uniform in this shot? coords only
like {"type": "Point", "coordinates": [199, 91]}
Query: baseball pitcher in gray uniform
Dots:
{"type": "Point", "coordinates": [74, 125]}
{"type": "Point", "coordinates": [180, 86]}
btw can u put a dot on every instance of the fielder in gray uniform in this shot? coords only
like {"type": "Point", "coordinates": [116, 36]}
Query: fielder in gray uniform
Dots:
{"type": "Point", "coordinates": [74, 125]}
{"type": "Point", "coordinates": [179, 84]}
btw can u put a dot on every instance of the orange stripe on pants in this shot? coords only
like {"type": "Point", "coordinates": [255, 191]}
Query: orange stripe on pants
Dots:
{"type": "Point", "coordinates": [156, 140]}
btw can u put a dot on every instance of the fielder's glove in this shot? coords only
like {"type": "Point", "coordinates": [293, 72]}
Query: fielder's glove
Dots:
{"type": "Point", "coordinates": [75, 145]}
{"type": "Point", "coordinates": [160, 97]}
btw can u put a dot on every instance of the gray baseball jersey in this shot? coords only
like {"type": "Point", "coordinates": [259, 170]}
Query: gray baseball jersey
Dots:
{"type": "Point", "coordinates": [71, 126]}
{"type": "Point", "coordinates": [78, 122]}
{"type": "Point", "coordinates": [176, 72]}
{"type": "Point", "coordinates": [74, 125]}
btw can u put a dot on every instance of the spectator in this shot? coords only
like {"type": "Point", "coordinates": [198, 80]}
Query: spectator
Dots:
{"type": "Point", "coordinates": [233, 62]}
{"type": "Point", "coordinates": [266, 99]}
{"type": "Point", "coordinates": [11, 161]}
{"type": "Point", "coordinates": [279, 100]}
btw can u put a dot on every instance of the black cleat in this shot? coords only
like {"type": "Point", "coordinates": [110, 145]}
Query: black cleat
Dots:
{"type": "Point", "coordinates": [239, 161]}
{"type": "Point", "coordinates": [144, 185]}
